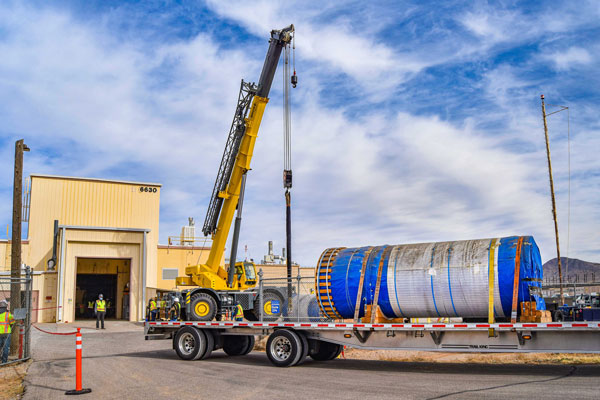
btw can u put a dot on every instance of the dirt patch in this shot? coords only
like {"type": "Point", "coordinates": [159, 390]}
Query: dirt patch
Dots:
{"type": "Point", "coordinates": [11, 380]}
{"type": "Point", "coordinates": [481, 358]}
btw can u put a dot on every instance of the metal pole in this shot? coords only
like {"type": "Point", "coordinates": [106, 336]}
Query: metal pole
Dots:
{"type": "Point", "coordinates": [562, 297]}
{"type": "Point", "coordinates": [29, 289]}
{"type": "Point", "coordinates": [15, 265]}
{"type": "Point", "coordinates": [288, 234]}
{"type": "Point", "coordinates": [260, 293]}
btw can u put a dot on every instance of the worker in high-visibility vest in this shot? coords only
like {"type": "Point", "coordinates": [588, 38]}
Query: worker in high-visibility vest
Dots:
{"type": "Point", "coordinates": [100, 310]}
{"type": "Point", "coordinates": [238, 313]}
{"type": "Point", "coordinates": [175, 311]}
{"type": "Point", "coordinates": [153, 309]}
{"type": "Point", "coordinates": [6, 322]}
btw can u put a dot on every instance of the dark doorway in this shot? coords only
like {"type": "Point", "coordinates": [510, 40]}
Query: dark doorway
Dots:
{"type": "Point", "coordinates": [89, 286]}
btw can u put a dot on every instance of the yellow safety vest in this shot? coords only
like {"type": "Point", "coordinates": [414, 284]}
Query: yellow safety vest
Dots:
{"type": "Point", "coordinates": [6, 319]}
{"type": "Point", "coordinates": [152, 305]}
{"type": "Point", "coordinates": [100, 305]}
{"type": "Point", "coordinates": [239, 311]}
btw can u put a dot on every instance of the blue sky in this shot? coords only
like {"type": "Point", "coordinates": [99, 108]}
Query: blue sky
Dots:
{"type": "Point", "coordinates": [412, 122]}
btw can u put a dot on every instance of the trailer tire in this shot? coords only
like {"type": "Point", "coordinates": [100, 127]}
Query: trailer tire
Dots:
{"type": "Point", "coordinates": [284, 348]}
{"type": "Point", "coordinates": [305, 347]}
{"type": "Point", "coordinates": [238, 345]}
{"type": "Point", "coordinates": [203, 307]}
{"type": "Point", "coordinates": [210, 343]}
{"type": "Point", "coordinates": [325, 351]}
{"type": "Point", "coordinates": [189, 343]}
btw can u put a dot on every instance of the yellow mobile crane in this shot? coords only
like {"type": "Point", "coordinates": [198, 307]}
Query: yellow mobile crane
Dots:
{"type": "Point", "coordinates": [218, 289]}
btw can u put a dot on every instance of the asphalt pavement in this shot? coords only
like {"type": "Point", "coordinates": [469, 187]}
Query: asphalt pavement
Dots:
{"type": "Point", "coordinates": [119, 363]}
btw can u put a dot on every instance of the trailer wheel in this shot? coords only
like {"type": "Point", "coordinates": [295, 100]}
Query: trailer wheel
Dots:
{"type": "Point", "coordinates": [325, 351]}
{"type": "Point", "coordinates": [284, 348]}
{"type": "Point", "coordinates": [238, 345]}
{"type": "Point", "coordinates": [190, 343]}
{"type": "Point", "coordinates": [210, 343]}
{"type": "Point", "coordinates": [305, 347]}
{"type": "Point", "coordinates": [203, 307]}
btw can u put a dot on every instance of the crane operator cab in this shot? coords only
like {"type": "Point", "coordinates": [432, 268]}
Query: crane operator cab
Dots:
{"type": "Point", "coordinates": [245, 275]}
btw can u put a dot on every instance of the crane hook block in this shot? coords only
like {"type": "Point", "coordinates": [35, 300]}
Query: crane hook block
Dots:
{"type": "Point", "coordinates": [287, 178]}
{"type": "Point", "coordinates": [294, 79]}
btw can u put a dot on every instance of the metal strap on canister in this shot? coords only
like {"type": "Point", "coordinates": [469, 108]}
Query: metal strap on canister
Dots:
{"type": "Point", "coordinates": [385, 254]}
{"type": "Point", "coordinates": [491, 281]}
{"type": "Point", "coordinates": [361, 283]}
{"type": "Point", "coordinates": [515, 298]}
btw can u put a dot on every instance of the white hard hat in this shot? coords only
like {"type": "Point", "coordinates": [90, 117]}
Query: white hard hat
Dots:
{"type": "Point", "coordinates": [3, 303]}
{"type": "Point", "coordinates": [177, 299]}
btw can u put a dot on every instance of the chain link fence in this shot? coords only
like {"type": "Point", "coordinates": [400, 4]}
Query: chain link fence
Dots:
{"type": "Point", "coordinates": [18, 343]}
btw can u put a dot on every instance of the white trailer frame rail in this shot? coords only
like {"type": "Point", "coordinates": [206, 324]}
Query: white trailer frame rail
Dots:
{"type": "Point", "coordinates": [555, 337]}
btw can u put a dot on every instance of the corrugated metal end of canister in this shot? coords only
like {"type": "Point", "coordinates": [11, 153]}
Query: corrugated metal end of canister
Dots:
{"type": "Point", "coordinates": [323, 282]}
{"type": "Point", "coordinates": [437, 280]}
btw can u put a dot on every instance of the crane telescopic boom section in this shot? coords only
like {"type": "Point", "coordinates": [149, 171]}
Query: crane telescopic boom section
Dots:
{"type": "Point", "coordinates": [238, 154]}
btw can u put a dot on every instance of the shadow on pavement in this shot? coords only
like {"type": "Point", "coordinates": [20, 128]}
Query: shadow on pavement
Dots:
{"type": "Point", "coordinates": [260, 359]}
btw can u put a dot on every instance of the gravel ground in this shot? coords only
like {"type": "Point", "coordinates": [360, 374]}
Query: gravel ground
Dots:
{"type": "Point", "coordinates": [119, 363]}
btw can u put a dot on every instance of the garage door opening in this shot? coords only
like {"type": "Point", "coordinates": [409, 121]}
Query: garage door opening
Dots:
{"type": "Point", "coordinates": [108, 276]}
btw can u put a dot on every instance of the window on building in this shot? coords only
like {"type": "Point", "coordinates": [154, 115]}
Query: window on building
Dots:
{"type": "Point", "coordinates": [170, 273]}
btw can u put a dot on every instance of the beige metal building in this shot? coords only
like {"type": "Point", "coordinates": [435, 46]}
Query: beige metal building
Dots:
{"type": "Point", "coordinates": [106, 242]}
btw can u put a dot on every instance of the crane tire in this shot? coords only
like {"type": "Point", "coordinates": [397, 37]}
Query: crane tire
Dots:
{"type": "Point", "coordinates": [203, 307]}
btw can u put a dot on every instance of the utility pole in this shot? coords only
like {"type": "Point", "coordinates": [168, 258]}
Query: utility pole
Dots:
{"type": "Point", "coordinates": [560, 277]}
{"type": "Point", "coordinates": [15, 264]}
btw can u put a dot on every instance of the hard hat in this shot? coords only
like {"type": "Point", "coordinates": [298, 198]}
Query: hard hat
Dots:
{"type": "Point", "coordinates": [3, 303]}
{"type": "Point", "coordinates": [176, 300]}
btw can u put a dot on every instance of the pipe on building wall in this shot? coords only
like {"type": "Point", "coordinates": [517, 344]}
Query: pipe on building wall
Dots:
{"type": "Point", "coordinates": [141, 314]}
{"type": "Point", "coordinates": [61, 275]}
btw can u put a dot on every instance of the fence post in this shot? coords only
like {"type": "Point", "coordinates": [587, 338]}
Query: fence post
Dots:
{"type": "Point", "coordinates": [78, 349]}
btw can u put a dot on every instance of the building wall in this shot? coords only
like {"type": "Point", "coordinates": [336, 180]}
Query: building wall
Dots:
{"type": "Point", "coordinates": [87, 202]}
{"type": "Point", "coordinates": [177, 257]}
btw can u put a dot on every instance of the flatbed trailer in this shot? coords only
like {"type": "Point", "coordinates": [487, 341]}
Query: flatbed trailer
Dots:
{"type": "Point", "coordinates": [290, 343]}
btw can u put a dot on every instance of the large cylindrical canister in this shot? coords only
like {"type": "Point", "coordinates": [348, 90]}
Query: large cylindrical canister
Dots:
{"type": "Point", "coordinates": [445, 279]}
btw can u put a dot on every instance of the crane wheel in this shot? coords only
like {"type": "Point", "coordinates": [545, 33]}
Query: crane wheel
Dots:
{"type": "Point", "coordinates": [203, 307]}
{"type": "Point", "coordinates": [325, 351]}
{"type": "Point", "coordinates": [270, 296]}
{"type": "Point", "coordinates": [238, 345]}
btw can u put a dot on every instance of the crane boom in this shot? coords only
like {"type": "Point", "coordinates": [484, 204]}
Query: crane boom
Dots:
{"type": "Point", "coordinates": [236, 159]}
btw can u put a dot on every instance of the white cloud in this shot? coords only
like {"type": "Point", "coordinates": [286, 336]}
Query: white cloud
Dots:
{"type": "Point", "coordinates": [569, 58]}
{"type": "Point", "coordinates": [338, 44]}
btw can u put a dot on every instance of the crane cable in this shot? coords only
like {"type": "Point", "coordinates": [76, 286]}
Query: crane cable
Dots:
{"type": "Point", "coordinates": [287, 121]}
